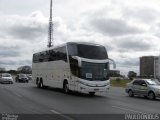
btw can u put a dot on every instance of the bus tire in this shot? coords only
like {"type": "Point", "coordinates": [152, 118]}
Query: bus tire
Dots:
{"type": "Point", "coordinates": [38, 82]}
{"type": "Point", "coordinates": [41, 83]}
{"type": "Point", "coordinates": [65, 87]}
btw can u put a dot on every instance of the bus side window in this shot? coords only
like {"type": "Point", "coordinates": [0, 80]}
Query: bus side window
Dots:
{"type": "Point", "coordinates": [46, 55]}
{"type": "Point", "coordinates": [61, 54]}
{"type": "Point", "coordinates": [41, 57]}
{"type": "Point", "coordinates": [51, 55]}
{"type": "Point", "coordinates": [36, 58]}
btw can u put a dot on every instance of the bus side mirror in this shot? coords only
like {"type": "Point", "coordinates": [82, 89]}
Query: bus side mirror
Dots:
{"type": "Point", "coordinates": [79, 60]}
{"type": "Point", "coordinates": [114, 64]}
{"type": "Point", "coordinates": [109, 73]}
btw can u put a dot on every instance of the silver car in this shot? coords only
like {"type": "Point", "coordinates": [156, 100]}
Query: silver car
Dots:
{"type": "Point", "coordinates": [6, 78]}
{"type": "Point", "coordinates": [143, 87]}
{"type": "Point", "coordinates": [157, 81]}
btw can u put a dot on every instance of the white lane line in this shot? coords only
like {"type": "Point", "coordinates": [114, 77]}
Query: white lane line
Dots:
{"type": "Point", "coordinates": [60, 114]}
{"type": "Point", "coordinates": [34, 112]}
{"type": "Point", "coordinates": [127, 109]}
{"type": "Point", "coordinates": [17, 94]}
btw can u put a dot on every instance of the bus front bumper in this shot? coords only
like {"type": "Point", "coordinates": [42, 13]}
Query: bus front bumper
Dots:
{"type": "Point", "coordinates": [86, 89]}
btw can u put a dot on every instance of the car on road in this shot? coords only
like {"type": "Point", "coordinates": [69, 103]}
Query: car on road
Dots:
{"type": "Point", "coordinates": [6, 78]}
{"type": "Point", "coordinates": [143, 87]}
{"type": "Point", "coordinates": [22, 78]}
{"type": "Point", "coordinates": [29, 76]}
{"type": "Point", "coordinates": [157, 81]}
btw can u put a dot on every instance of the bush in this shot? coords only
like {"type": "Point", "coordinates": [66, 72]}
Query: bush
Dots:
{"type": "Point", "coordinates": [118, 79]}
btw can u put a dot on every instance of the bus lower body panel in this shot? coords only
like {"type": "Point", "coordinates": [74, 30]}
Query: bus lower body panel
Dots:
{"type": "Point", "coordinates": [86, 88]}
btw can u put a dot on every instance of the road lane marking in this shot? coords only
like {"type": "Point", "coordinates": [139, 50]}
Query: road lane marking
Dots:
{"type": "Point", "coordinates": [127, 109]}
{"type": "Point", "coordinates": [35, 112]}
{"type": "Point", "coordinates": [17, 94]}
{"type": "Point", "coordinates": [60, 114]}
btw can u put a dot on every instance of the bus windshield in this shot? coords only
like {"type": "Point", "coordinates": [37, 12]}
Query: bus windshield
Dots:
{"type": "Point", "coordinates": [94, 71]}
{"type": "Point", "coordinates": [87, 51]}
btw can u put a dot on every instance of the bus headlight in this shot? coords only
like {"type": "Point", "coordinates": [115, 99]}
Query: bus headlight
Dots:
{"type": "Point", "coordinates": [159, 91]}
{"type": "Point", "coordinates": [87, 84]}
{"type": "Point", "coordinates": [106, 84]}
{"type": "Point", "coordinates": [83, 83]}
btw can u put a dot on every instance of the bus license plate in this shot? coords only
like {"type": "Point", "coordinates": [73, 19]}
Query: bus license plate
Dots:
{"type": "Point", "coordinates": [96, 89]}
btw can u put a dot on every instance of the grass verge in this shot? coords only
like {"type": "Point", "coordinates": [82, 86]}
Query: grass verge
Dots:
{"type": "Point", "coordinates": [119, 83]}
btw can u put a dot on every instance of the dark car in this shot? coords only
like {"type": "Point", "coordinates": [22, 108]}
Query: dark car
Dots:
{"type": "Point", "coordinates": [22, 78]}
{"type": "Point", "coordinates": [29, 76]}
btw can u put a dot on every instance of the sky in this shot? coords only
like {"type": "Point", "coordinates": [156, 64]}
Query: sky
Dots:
{"type": "Point", "coordinates": [128, 29]}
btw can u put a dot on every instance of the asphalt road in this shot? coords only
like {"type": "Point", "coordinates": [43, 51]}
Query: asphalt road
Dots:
{"type": "Point", "coordinates": [25, 98]}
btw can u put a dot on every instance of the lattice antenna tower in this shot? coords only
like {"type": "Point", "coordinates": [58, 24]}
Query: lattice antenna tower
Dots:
{"type": "Point", "coordinates": [50, 29]}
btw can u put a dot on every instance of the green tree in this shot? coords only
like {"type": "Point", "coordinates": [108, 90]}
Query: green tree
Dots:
{"type": "Point", "coordinates": [132, 74]}
{"type": "Point", "coordinates": [25, 69]}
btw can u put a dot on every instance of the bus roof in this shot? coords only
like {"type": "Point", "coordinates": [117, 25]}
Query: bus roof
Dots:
{"type": "Point", "coordinates": [64, 44]}
{"type": "Point", "coordinates": [85, 43]}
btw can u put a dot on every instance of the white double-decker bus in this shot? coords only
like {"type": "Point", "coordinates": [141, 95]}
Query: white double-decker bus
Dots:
{"type": "Point", "coordinates": [82, 67]}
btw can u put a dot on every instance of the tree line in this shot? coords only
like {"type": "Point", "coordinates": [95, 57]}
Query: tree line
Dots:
{"type": "Point", "coordinates": [23, 69]}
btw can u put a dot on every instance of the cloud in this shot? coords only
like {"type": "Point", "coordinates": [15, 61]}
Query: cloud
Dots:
{"type": "Point", "coordinates": [129, 62]}
{"type": "Point", "coordinates": [143, 14]}
{"type": "Point", "coordinates": [128, 29]}
{"type": "Point", "coordinates": [29, 28]}
{"type": "Point", "coordinates": [8, 50]}
{"type": "Point", "coordinates": [11, 53]}
{"type": "Point", "coordinates": [8, 62]}
{"type": "Point", "coordinates": [15, 62]}
{"type": "Point", "coordinates": [21, 36]}
{"type": "Point", "coordinates": [113, 27]}
{"type": "Point", "coordinates": [134, 43]}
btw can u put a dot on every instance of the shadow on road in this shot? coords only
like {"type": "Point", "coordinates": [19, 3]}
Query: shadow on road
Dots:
{"type": "Point", "coordinates": [144, 98]}
{"type": "Point", "coordinates": [77, 94]}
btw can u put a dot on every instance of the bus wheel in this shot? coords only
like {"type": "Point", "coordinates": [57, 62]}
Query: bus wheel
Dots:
{"type": "Point", "coordinates": [38, 84]}
{"type": "Point", "coordinates": [91, 93]}
{"type": "Point", "coordinates": [37, 81]}
{"type": "Point", "coordinates": [65, 87]}
{"type": "Point", "coordinates": [41, 83]}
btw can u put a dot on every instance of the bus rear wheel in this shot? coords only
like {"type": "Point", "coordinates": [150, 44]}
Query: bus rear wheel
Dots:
{"type": "Point", "coordinates": [39, 83]}
{"type": "Point", "coordinates": [65, 87]}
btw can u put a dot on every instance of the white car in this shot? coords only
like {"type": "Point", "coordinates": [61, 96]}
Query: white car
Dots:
{"type": "Point", "coordinates": [6, 78]}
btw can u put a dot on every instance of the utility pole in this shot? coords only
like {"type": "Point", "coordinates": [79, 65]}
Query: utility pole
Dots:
{"type": "Point", "coordinates": [50, 30]}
